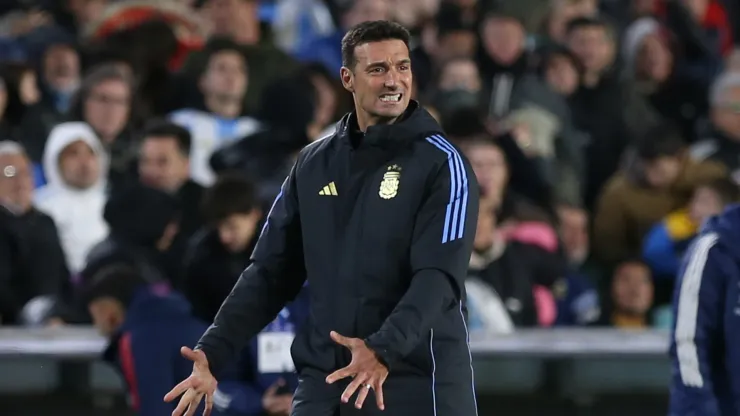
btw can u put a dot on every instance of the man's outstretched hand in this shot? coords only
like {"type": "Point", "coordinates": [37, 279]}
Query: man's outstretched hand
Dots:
{"type": "Point", "coordinates": [365, 369]}
{"type": "Point", "coordinates": [200, 383]}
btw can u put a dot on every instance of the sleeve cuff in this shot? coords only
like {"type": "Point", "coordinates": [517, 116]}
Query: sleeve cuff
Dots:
{"type": "Point", "coordinates": [384, 355]}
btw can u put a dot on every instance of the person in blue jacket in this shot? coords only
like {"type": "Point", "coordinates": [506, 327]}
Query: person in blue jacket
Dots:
{"type": "Point", "coordinates": [263, 381]}
{"type": "Point", "coordinates": [146, 325]}
{"type": "Point", "coordinates": [705, 347]}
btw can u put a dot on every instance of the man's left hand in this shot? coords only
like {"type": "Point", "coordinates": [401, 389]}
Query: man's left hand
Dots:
{"type": "Point", "coordinates": [365, 369]}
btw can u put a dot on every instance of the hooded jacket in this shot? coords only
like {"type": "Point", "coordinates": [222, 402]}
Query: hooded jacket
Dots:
{"type": "Point", "coordinates": [78, 213]}
{"type": "Point", "coordinates": [705, 341]}
{"type": "Point", "coordinates": [381, 225]}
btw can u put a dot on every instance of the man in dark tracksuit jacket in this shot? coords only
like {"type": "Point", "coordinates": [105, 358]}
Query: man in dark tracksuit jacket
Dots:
{"type": "Point", "coordinates": [705, 346]}
{"type": "Point", "coordinates": [381, 224]}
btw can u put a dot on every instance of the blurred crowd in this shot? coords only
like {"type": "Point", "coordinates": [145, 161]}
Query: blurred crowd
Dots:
{"type": "Point", "coordinates": [150, 137]}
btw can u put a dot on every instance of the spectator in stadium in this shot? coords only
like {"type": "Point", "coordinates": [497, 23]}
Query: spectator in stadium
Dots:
{"type": "Point", "coordinates": [631, 296]}
{"type": "Point", "coordinates": [458, 86]}
{"type": "Point", "coordinates": [267, 155]}
{"type": "Point", "coordinates": [723, 145]}
{"type": "Point", "coordinates": [657, 180]}
{"type": "Point", "coordinates": [453, 35]}
{"type": "Point", "coordinates": [576, 292]}
{"type": "Point", "coordinates": [667, 241]}
{"type": "Point", "coordinates": [75, 164]}
{"type": "Point", "coordinates": [238, 21]}
{"type": "Point", "coordinates": [145, 325]}
{"type": "Point", "coordinates": [502, 58]}
{"type": "Point", "coordinates": [164, 164]}
{"type": "Point", "coordinates": [222, 121]}
{"type": "Point", "coordinates": [60, 76]}
{"type": "Point", "coordinates": [326, 49]}
{"type": "Point", "coordinates": [32, 262]}
{"type": "Point", "coordinates": [221, 251]}
{"type": "Point", "coordinates": [6, 129]}
{"type": "Point", "coordinates": [143, 224]}
{"type": "Point", "coordinates": [540, 104]}
{"type": "Point", "coordinates": [513, 270]}
{"type": "Point", "coordinates": [105, 102]}
{"type": "Point", "coordinates": [604, 106]}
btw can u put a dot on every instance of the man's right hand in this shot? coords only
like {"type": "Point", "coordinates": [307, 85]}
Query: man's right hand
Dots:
{"type": "Point", "coordinates": [200, 383]}
{"type": "Point", "coordinates": [277, 404]}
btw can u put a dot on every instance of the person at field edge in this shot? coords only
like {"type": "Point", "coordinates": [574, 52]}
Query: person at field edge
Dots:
{"type": "Point", "coordinates": [379, 218]}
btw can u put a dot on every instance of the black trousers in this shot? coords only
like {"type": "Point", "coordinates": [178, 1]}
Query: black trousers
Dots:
{"type": "Point", "coordinates": [404, 396]}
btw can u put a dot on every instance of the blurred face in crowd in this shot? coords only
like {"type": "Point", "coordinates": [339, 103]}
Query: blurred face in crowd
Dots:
{"type": "Point", "coordinates": [86, 11]}
{"type": "Point", "coordinates": [16, 182]}
{"type": "Point", "coordinates": [484, 231]}
{"type": "Point", "coordinates": [726, 113]}
{"type": "Point", "coordinates": [62, 68]}
{"type": "Point", "coordinates": [698, 8]}
{"type": "Point", "coordinates": [503, 39]}
{"type": "Point", "coordinates": [705, 203]}
{"type": "Point", "coordinates": [107, 315]}
{"type": "Point", "coordinates": [225, 78]}
{"type": "Point", "coordinates": [662, 172]}
{"type": "Point", "coordinates": [28, 89]}
{"type": "Point", "coordinates": [225, 16]}
{"type": "Point", "coordinates": [162, 165]}
{"type": "Point", "coordinates": [642, 8]}
{"type": "Point", "coordinates": [574, 233]}
{"type": "Point", "coordinates": [79, 165]}
{"type": "Point", "coordinates": [365, 11]}
{"type": "Point", "coordinates": [654, 59]}
{"type": "Point", "coordinates": [562, 75]}
{"type": "Point", "coordinates": [237, 231]}
{"type": "Point", "coordinates": [460, 75]}
{"type": "Point", "coordinates": [632, 289]}
{"type": "Point", "coordinates": [380, 80]}
{"type": "Point", "coordinates": [563, 11]}
{"type": "Point", "coordinates": [107, 108]}
{"type": "Point", "coordinates": [456, 44]}
{"type": "Point", "coordinates": [489, 165]}
{"type": "Point", "coordinates": [594, 46]}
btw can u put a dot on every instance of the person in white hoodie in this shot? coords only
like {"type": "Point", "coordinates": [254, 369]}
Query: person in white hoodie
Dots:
{"type": "Point", "coordinates": [76, 167]}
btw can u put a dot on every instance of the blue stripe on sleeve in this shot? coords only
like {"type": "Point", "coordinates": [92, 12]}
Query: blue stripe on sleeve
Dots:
{"type": "Point", "coordinates": [457, 206]}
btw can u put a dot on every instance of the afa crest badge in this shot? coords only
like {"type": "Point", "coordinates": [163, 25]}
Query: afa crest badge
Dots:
{"type": "Point", "coordinates": [390, 183]}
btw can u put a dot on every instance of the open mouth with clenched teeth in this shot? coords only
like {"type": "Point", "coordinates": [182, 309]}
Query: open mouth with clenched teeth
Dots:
{"type": "Point", "coordinates": [391, 98]}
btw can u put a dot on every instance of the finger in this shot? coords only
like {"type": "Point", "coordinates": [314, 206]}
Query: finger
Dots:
{"type": "Point", "coordinates": [194, 405]}
{"type": "Point", "coordinates": [209, 405]}
{"type": "Point", "coordinates": [182, 406]}
{"type": "Point", "coordinates": [340, 374]}
{"type": "Point", "coordinates": [178, 390]}
{"type": "Point", "coordinates": [353, 386]}
{"type": "Point", "coordinates": [272, 390]}
{"type": "Point", "coordinates": [379, 395]}
{"type": "Point", "coordinates": [362, 395]}
{"type": "Point", "coordinates": [340, 339]}
{"type": "Point", "coordinates": [188, 353]}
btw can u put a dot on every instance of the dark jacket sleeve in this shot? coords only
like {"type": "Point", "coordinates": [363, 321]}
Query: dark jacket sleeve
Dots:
{"type": "Point", "coordinates": [442, 241]}
{"type": "Point", "coordinates": [699, 310]}
{"type": "Point", "coordinates": [274, 278]}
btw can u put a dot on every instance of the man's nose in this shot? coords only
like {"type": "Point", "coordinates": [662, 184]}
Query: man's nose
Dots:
{"type": "Point", "coordinates": [391, 80]}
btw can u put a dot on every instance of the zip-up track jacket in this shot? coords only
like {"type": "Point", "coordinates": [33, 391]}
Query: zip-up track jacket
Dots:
{"type": "Point", "coordinates": [382, 226]}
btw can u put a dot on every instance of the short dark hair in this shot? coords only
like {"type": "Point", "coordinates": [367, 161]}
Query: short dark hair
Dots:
{"type": "Point", "coordinates": [660, 140]}
{"type": "Point", "coordinates": [590, 22]}
{"type": "Point", "coordinates": [119, 281]}
{"type": "Point", "coordinates": [726, 189]}
{"type": "Point", "coordinates": [367, 32]}
{"type": "Point", "coordinates": [160, 128]}
{"type": "Point", "coordinates": [232, 194]}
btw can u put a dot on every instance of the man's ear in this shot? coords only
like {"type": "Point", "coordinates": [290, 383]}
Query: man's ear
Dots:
{"type": "Point", "coordinates": [347, 79]}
